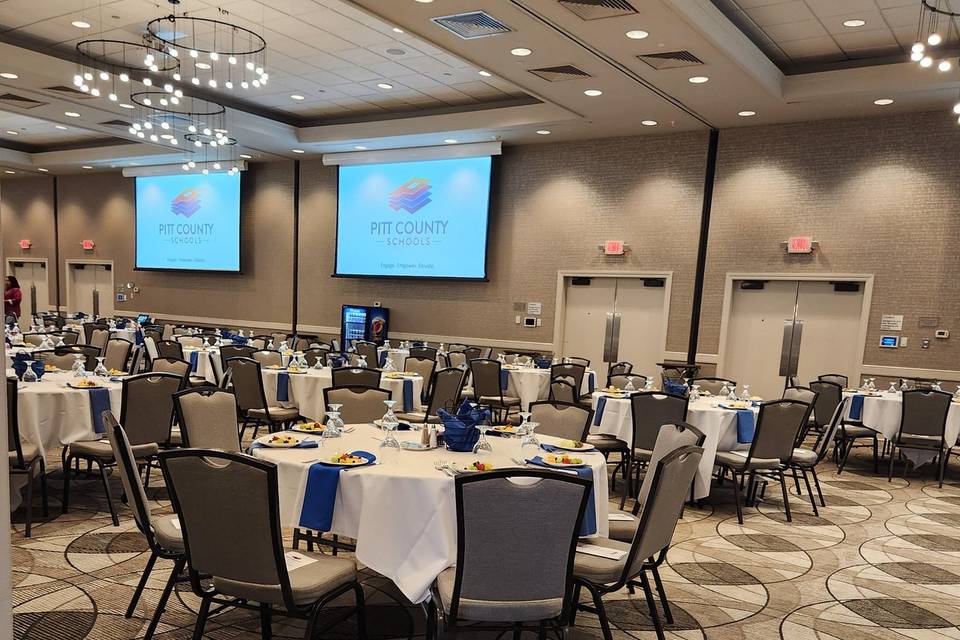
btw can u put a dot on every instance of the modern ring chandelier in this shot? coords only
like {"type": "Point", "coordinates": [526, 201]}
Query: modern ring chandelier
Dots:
{"type": "Point", "coordinates": [177, 54]}
{"type": "Point", "coordinates": [936, 31]}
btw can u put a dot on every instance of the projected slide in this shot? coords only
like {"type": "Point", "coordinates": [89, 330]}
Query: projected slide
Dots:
{"type": "Point", "coordinates": [189, 222]}
{"type": "Point", "coordinates": [424, 219]}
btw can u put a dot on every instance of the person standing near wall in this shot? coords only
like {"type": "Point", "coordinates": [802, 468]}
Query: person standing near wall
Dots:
{"type": "Point", "coordinates": [12, 295]}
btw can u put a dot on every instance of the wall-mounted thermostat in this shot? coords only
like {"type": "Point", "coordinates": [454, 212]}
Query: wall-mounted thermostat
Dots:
{"type": "Point", "coordinates": [890, 342]}
{"type": "Point", "coordinates": [530, 321]}
{"type": "Point", "coordinates": [942, 334]}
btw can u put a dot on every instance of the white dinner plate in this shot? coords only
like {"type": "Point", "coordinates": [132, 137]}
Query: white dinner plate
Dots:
{"type": "Point", "coordinates": [362, 462]}
{"type": "Point", "coordinates": [560, 465]}
{"type": "Point", "coordinates": [584, 449]}
{"type": "Point", "coordinates": [301, 427]}
{"type": "Point", "coordinates": [411, 445]}
{"type": "Point", "coordinates": [265, 441]}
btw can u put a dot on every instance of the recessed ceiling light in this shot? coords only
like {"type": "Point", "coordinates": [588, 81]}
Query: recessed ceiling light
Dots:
{"type": "Point", "coordinates": [360, 147]}
{"type": "Point", "coordinates": [543, 132]}
{"type": "Point", "coordinates": [746, 114]}
{"type": "Point", "coordinates": [384, 85]}
{"type": "Point", "coordinates": [81, 24]}
{"type": "Point", "coordinates": [648, 123]}
{"type": "Point", "coordinates": [61, 127]}
{"type": "Point", "coordinates": [637, 34]}
{"type": "Point", "coordinates": [245, 156]}
{"type": "Point", "coordinates": [42, 169]}
{"type": "Point", "coordinates": [124, 105]}
{"type": "Point", "coordinates": [485, 74]}
{"type": "Point", "coordinates": [296, 96]}
{"type": "Point", "coordinates": [11, 132]}
{"type": "Point", "coordinates": [297, 150]}
{"type": "Point", "coordinates": [9, 171]}
{"type": "Point", "coordinates": [86, 166]}
{"type": "Point", "coordinates": [521, 51]}
{"type": "Point", "coordinates": [424, 1]}
{"type": "Point", "coordinates": [8, 75]}
{"type": "Point", "coordinates": [397, 30]}
{"type": "Point", "coordinates": [699, 79]}
{"type": "Point", "coordinates": [882, 102]}
{"type": "Point", "coordinates": [71, 114]}
{"type": "Point", "coordinates": [451, 141]}
{"type": "Point", "coordinates": [593, 93]}
{"type": "Point", "coordinates": [854, 23]}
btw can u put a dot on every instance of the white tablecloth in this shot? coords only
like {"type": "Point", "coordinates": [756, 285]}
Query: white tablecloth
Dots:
{"type": "Point", "coordinates": [208, 363]}
{"type": "Point", "coordinates": [401, 513]}
{"type": "Point", "coordinates": [305, 390]}
{"type": "Point", "coordinates": [882, 413]}
{"type": "Point", "coordinates": [531, 384]}
{"type": "Point", "coordinates": [719, 425]}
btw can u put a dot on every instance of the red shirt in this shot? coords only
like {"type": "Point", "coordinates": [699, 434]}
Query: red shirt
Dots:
{"type": "Point", "coordinates": [11, 301]}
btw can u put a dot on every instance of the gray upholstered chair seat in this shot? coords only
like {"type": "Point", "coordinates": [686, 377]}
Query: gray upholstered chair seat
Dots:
{"type": "Point", "coordinates": [642, 454]}
{"type": "Point", "coordinates": [309, 583]}
{"type": "Point", "coordinates": [597, 569]}
{"type": "Point", "coordinates": [920, 440]}
{"type": "Point", "coordinates": [101, 449]}
{"type": "Point", "coordinates": [607, 443]}
{"type": "Point", "coordinates": [738, 460]}
{"type": "Point", "coordinates": [495, 610]}
{"type": "Point", "coordinates": [858, 432]}
{"type": "Point", "coordinates": [279, 414]}
{"type": "Point", "coordinates": [167, 534]}
{"type": "Point", "coordinates": [507, 401]}
{"type": "Point", "coordinates": [804, 457]}
{"type": "Point", "coordinates": [623, 530]}
{"type": "Point", "coordinates": [30, 451]}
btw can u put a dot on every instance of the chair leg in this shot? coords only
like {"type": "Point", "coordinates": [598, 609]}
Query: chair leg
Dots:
{"type": "Point", "coordinates": [736, 496]}
{"type": "Point", "coordinates": [106, 491]}
{"type": "Point", "coordinates": [628, 480]}
{"type": "Point", "coordinates": [813, 500]}
{"type": "Point", "coordinates": [601, 612]}
{"type": "Point", "coordinates": [786, 498]}
{"type": "Point", "coordinates": [201, 619]}
{"type": "Point", "coordinates": [816, 483]}
{"type": "Point", "coordinates": [517, 631]}
{"type": "Point", "coordinates": [146, 475]}
{"type": "Point", "coordinates": [43, 488]}
{"type": "Point", "coordinates": [162, 604]}
{"type": "Point", "coordinates": [652, 605]}
{"type": "Point", "coordinates": [893, 451]}
{"type": "Point", "coordinates": [266, 622]}
{"type": "Point", "coordinates": [876, 458]}
{"type": "Point", "coordinates": [29, 502]}
{"type": "Point", "coordinates": [663, 595]}
{"type": "Point", "coordinates": [796, 481]}
{"type": "Point", "coordinates": [64, 508]}
{"type": "Point", "coordinates": [574, 604]}
{"type": "Point", "coordinates": [944, 456]}
{"type": "Point", "coordinates": [361, 612]}
{"type": "Point", "coordinates": [140, 585]}
{"type": "Point", "coordinates": [847, 446]}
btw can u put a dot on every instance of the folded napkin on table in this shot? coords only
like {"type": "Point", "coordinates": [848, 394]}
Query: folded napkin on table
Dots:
{"type": "Point", "coordinates": [856, 407]}
{"type": "Point", "coordinates": [591, 382]}
{"type": "Point", "coordinates": [588, 526]}
{"type": "Point", "coordinates": [283, 386]}
{"type": "Point", "coordinates": [407, 395]}
{"type": "Point", "coordinates": [504, 379]}
{"type": "Point", "coordinates": [320, 495]}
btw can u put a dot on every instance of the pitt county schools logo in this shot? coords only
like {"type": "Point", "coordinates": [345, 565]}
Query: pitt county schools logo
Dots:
{"type": "Point", "coordinates": [412, 195]}
{"type": "Point", "coordinates": [186, 204]}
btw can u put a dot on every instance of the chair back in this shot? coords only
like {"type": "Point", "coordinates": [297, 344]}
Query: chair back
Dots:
{"type": "Point", "coordinates": [278, 339]}
{"type": "Point", "coordinates": [472, 353]}
{"type": "Point", "coordinates": [155, 334]}
{"type": "Point", "coordinates": [191, 341]}
{"type": "Point", "coordinates": [235, 351]}
{"type": "Point", "coordinates": [33, 339]}
{"type": "Point", "coordinates": [713, 385]}
{"type": "Point", "coordinates": [239, 504]}
{"type": "Point", "coordinates": [208, 418]}
{"type": "Point", "coordinates": [423, 352]}
{"type": "Point", "coordinates": [268, 358]}
{"type": "Point", "coordinates": [825, 439]}
{"type": "Point", "coordinates": [70, 337]}
{"type": "Point", "coordinates": [146, 409]}
{"type": "Point", "coordinates": [63, 360]}
{"type": "Point", "coordinates": [803, 394]}
{"type": "Point", "coordinates": [361, 404]}
{"type": "Point", "coordinates": [778, 425]}
{"type": "Point", "coordinates": [150, 344]}
{"type": "Point", "coordinates": [14, 445]}
{"type": "Point", "coordinates": [130, 477]}
{"type": "Point", "coordinates": [447, 387]}
{"type": "Point", "coordinates": [620, 380]}
{"type": "Point", "coordinates": [563, 391]}
{"type": "Point", "coordinates": [507, 510]}
{"type": "Point", "coordinates": [303, 341]}
{"type": "Point", "coordinates": [261, 342]}
{"type": "Point", "coordinates": [175, 366]}
{"type": "Point", "coordinates": [136, 362]}
{"type": "Point", "coordinates": [836, 378]}
{"type": "Point", "coordinates": [247, 383]}
{"type": "Point", "coordinates": [90, 327]}
{"type": "Point", "coordinates": [356, 377]}
{"type": "Point", "coordinates": [561, 419]}
{"type": "Point", "coordinates": [99, 338]}
{"type": "Point", "coordinates": [829, 395]}
{"type": "Point", "coordinates": [313, 354]}
{"type": "Point", "coordinates": [457, 359]}
{"type": "Point", "coordinates": [670, 438]}
{"type": "Point", "coordinates": [169, 349]}
{"type": "Point", "coordinates": [369, 351]}
{"type": "Point", "coordinates": [90, 355]}
{"type": "Point", "coordinates": [118, 351]}
{"type": "Point", "coordinates": [486, 378]}
{"type": "Point", "coordinates": [424, 367]}
{"type": "Point", "coordinates": [620, 368]}
{"type": "Point", "coordinates": [569, 370]}
{"type": "Point", "coordinates": [651, 410]}
{"type": "Point", "coordinates": [924, 413]}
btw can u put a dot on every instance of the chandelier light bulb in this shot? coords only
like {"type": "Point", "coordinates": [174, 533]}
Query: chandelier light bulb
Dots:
{"type": "Point", "coordinates": [191, 164]}
{"type": "Point", "coordinates": [956, 108]}
{"type": "Point", "coordinates": [88, 76]}
{"type": "Point", "coordinates": [194, 53]}
{"type": "Point", "coordinates": [176, 77]}
{"type": "Point", "coordinates": [216, 165]}
{"type": "Point", "coordinates": [153, 137]}
{"type": "Point", "coordinates": [112, 97]}
{"type": "Point", "coordinates": [228, 84]}
{"type": "Point", "coordinates": [185, 167]}
{"type": "Point", "coordinates": [934, 39]}
{"type": "Point", "coordinates": [173, 52]}
{"type": "Point", "coordinates": [244, 85]}
{"type": "Point", "coordinates": [104, 75]}
{"type": "Point", "coordinates": [250, 65]}
{"type": "Point", "coordinates": [917, 47]}
{"type": "Point", "coordinates": [85, 87]}
{"type": "Point", "coordinates": [154, 68]}
{"type": "Point", "coordinates": [206, 171]}
{"type": "Point", "coordinates": [944, 66]}
{"type": "Point", "coordinates": [178, 93]}
{"type": "Point", "coordinates": [163, 102]}
{"type": "Point", "coordinates": [264, 77]}
{"type": "Point", "coordinates": [214, 56]}
{"type": "Point", "coordinates": [212, 83]}
{"type": "Point", "coordinates": [197, 143]}
{"type": "Point", "coordinates": [164, 125]}
{"type": "Point", "coordinates": [195, 80]}
{"type": "Point", "coordinates": [207, 132]}
{"type": "Point", "coordinates": [132, 131]}
{"type": "Point", "coordinates": [926, 62]}
{"type": "Point", "coordinates": [213, 143]}
{"type": "Point", "coordinates": [175, 100]}
{"type": "Point", "coordinates": [192, 129]}
{"type": "Point", "coordinates": [148, 82]}
{"type": "Point", "coordinates": [256, 83]}
{"type": "Point", "coordinates": [147, 102]}
{"type": "Point", "coordinates": [137, 126]}
{"type": "Point", "coordinates": [174, 141]}
{"type": "Point", "coordinates": [148, 125]}
{"type": "Point", "coordinates": [916, 56]}
{"type": "Point", "coordinates": [232, 59]}
{"type": "Point", "coordinates": [141, 134]}
{"type": "Point", "coordinates": [77, 80]}
{"type": "Point", "coordinates": [168, 88]}
{"type": "Point", "coordinates": [95, 92]}
{"type": "Point", "coordinates": [259, 71]}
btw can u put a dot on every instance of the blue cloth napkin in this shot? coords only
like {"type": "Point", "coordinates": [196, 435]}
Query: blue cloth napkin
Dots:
{"type": "Point", "coordinates": [598, 413]}
{"type": "Point", "coordinates": [138, 337]}
{"type": "Point", "coordinates": [745, 426]}
{"type": "Point", "coordinates": [856, 407]}
{"type": "Point", "coordinates": [588, 526]}
{"type": "Point", "coordinates": [320, 495]}
{"type": "Point", "coordinates": [194, 355]}
{"type": "Point", "coordinates": [504, 379]}
{"type": "Point", "coordinates": [99, 402]}
{"type": "Point", "coordinates": [591, 382]}
{"type": "Point", "coordinates": [383, 358]}
{"type": "Point", "coordinates": [283, 386]}
{"type": "Point", "coordinates": [407, 395]}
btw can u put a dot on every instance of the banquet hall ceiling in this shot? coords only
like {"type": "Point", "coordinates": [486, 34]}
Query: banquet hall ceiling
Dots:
{"type": "Point", "coordinates": [387, 73]}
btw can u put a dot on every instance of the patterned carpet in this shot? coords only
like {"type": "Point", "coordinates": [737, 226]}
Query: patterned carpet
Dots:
{"type": "Point", "coordinates": [881, 562]}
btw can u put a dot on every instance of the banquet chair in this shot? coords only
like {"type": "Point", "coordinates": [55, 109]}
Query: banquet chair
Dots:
{"type": "Point", "coordinates": [261, 342]}
{"type": "Point", "coordinates": [241, 504]}
{"type": "Point", "coordinates": [208, 418]}
{"type": "Point", "coordinates": [99, 339]}
{"type": "Point", "coordinates": [247, 379]}
{"type": "Point", "coordinates": [510, 358]}
{"type": "Point", "coordinates": [153, 332]}
{"type": "Point", "coordinates": [161, 533]}
{"type": "Point", "coordinates": [34, 339]}
{"type": "Point", "coordinates": [175, 366]}
{"type": "Point", "coordinates": [923, 422]}
{"type": "Point", "coordinates": [369, 351]}
{"type": "Point", "coordinates": [137, 359]}
{"type": "Point", "coordinates": [313, 354]}
{"type": "Point", "coordinates": [456, 347]}
{"type": "Point", "coordinates": [147, 411]}
{"type": "Point", "coordinates": [846, 440]}
{"type": "Point", "coordinates": [361, 404]}
{"type": "Point", "coordinates": [620, 381]}
{"type": "Point", "coordinates": [234, 351]}
{"type": "Point", "coordinates": [649, 411]}
{"type": "Point", "coordinates": [196, 342]}
{"type": "Point", "coordinates": [62, 360]}
{"type": "Point", "coordinates": [570, 370]}
{"type": "Point", "coordinates": [713, 385]}
{"type": "Point", "coordinates": [167, 333]}
{"type": "Point", "coordinates": [561, 419]}
{"type": "Point", "coordinates": [620, 368]}
{"type": "Point", "coordinates": [90, 327]}
{"type": "Point", "coordinates": [486, 352]}
{"type": "Point", "coordinates": [151, 347]}
{"type": "Point", "coordinates": [509, 508]}
{"type": "Point", "coordinates": [774, 436]}
{"type": "Point", "coordinates": [670, 484]}
{"type": "Point", "coordinates": [457, 359]}
{"type": "Point", "coordinates": [472, 353]}
{"type": "Point", "coordinates": [562, 390]}
{"type": "Point", "coordinates": [829, 395]}
{"type": "Point", "coordinates": [24, 458]}
{"type": "Point", "coordinates": [169, 349]}
{"type": "Point", "coordinates": [430, 353]}
{"type": "Point", "coordinates": [424, 367]}
{"type": "Point", "coordinates": [302, 341]}
{"type": "Point", "coordinates": [487, 387]}
{"type": "Point", "coordinates": [355, 377]}
{"type": "Point", "coordinates": [278, 339]}
{"type": "Point", "coordinates": [803, 394]}
{"type": "Point", "coordinates": [117, 354]}
{"type": "Point", "coordinates": [806, 459]}
{"type": "Point", "coordinates": [69, 337]}
{"type": "Point", "coordinates": [447, 386]}
{"type": "Point", "coordinates": [583, 362]}
{"type": "Point", "coordinates": [836, 378]}
{"type": "Point", "coordinates": [90, 355]}
{"type": "Point", "coordinates": [268, 358]}
{"type": "Point", "coordinates": [180, 330]}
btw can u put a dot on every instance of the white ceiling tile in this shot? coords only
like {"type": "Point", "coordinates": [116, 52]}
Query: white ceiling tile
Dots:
{"type": "Point", "coordinates": [811, 47]}
{"type": "Point", "coordinates": [875, 39]}
{"type": "Point", "coordinates": [388, 69]}
{"type": "Point", "coordinates": [417, 81]}
{"type": "Point", "coordinates": [902, 16]}
{"type": "Point", "coordinates": [358, 89]}
{"type": "Point", "coordinates": [391, 50]}
{"type": "Point", "coordinates": [426, 64]}
{"type": "Point", "coordinates": [827, 8]}
{"type": "Point", "coordinates": [887, 4]}
{"type": "Point", "coordinates": [874, 21]}
{"type": "Point", "coordinates": [792, 11]}
{"type": "Point", "coordinates": [361, 56]}
{"type": "Point", "coordinates": [796, 30]}
{"type": "Point", "coordinates": [358, 34]}
{"type": "Point", "coordinates": [358, 74]}
{"type": "Point", "coordinates": [325, 78]}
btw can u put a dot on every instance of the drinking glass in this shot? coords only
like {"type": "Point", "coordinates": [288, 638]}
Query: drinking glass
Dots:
{"type": "Point", "coordinates": [724, 390]}
{"type": "Point", "coordinates": [695, 393]}
{"type": "Point", "coordinates": [938, 387]}
{"type": "Point", "coordinates": [388, 365]}
{"type": "Point", "coordinates": [319, 363]}
{"type": "Point", "coordinates": [60, 342]}
{"type": "Point", "coordinates": [529, 445]}
{"type": "Point", "coordinates": [334, 423]}
{"type": "Point", "coordinates": [904, 386]}
{"type": "Point", "coordinates": [746, 393]}
{"type": "Point", "coordinates": [30, 375]}
{"type": "Point", "coordinates": [648, 386]}
{"type": "Point", "coordinates": [524, 419]}
{"type": "Point", "coordinates": [866, 385]}
{"type": "Point", "coordinates": [79, 368]}
{"type": "Point", "coordinates": [629, 386]}
{"type": "Point", "coordinates": [270, 346]}
{"type": "Point", "coordinates": [483, 445]}
{"type": "Point", "coordinates": [389, 446]}
{"type": "Point", "coordinates": [732, 396]}
{"type": "Point", "coordinates": [101, 370]}
{"type": "Point", "coordinates": [386, 344]}
{"type": "Point", "coordinates": [284, 347]}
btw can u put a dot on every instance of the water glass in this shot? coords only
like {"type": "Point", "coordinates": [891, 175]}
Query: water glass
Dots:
{"type": "Point", "coordinates": [101, 370]}
{"type": "Point", "coordinates": [524, 418]}
{"type": "Point", "coordinates": [30, 375]}
{"type": "Point", "coordinates": [389, 446]}
{"type": "Point", "coordinates": [483, 445]}
{"type": "Point", "coordinates": [746, 393]}
{"type": "Point", "coordinates": [629, 386]}
{"type": "Point", "coordinates": [334, 428]}
{"type": "Point", "coordinates": [79, 368]}
{"type": "Point", "coordinates": [529, 445]}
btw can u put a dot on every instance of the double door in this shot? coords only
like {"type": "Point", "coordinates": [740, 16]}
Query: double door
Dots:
{"type": "Point", "coordinates": [91, 288]}
{"type": "Point", "coordinates": [615, 319]}
{"type": "Point", "coordinates": [32, 276]}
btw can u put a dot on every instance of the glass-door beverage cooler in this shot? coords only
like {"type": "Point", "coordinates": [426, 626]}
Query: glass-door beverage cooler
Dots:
{"type": "Point", "coordinates": [363, 323]}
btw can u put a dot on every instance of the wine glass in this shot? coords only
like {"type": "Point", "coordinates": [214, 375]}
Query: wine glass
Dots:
{"type": "Point", "coordinates": [695, 393]}
{"type": "Point", "coordinates": [284, 347]}
{"type": "Point", "coordinates": [724, 390]}
{"type": "Point", "coordinates": [30, 375]}
{"type": "Point", "coordinates": [893, 387]}
{"type": "Point", "coordinates": [79, 368]}
{"type": "Point", "coordinates": [389, 445]}
{"type": "Point", "coordinates": [529, 445]}
{"type": "Point", "coordinates": [648, 385]}
{"type": "Point", "coordinates": [746, 393]}
{"type": "Point", "coordinates": [866, 385]}
{"type": "Point", "coordinates": [101, 370]}
{"type": "Point", "coordinates": [319, 363]}
{"type": "Point", "coordinates": [483, 445]}
{"type": "Point", "coordinates": [524, 419]}
{"type": "Point", "coordinates": [388, 365]}
{"type": "Point", "coordinates": [629, 386]}
{"type": "Point", "coordinates": [270, 346]}
{"type": "Point", "coordinates": [334, 428]}
{"type": "Point", "coordinates": [732, 396]}
{"type": "Point", "coordinates": [938, 386]}
{"type": "Point", "coordinates": [60, 342]}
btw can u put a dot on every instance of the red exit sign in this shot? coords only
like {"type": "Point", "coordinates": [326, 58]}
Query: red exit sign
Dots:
{"type": "Point", "coordinates": [800, 244]}
{"type": "Point", "coordinates": [613, 247]}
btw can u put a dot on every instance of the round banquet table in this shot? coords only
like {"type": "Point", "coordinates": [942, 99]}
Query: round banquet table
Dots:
{"type": "Point", "coordinates": [531, 384]}
{"type": "Point", "coordinates": [719, 425]}
{"type": "Point", "coordinates": [19, 348]}
{"type": "Point", "coordinates": [305, 390]}
{"type": "Point", "coordinates": [402, 513]}
{"type": "Point", "coordinates": [205, 364]}
{"type": "Point", "coordinates": [882, 413]}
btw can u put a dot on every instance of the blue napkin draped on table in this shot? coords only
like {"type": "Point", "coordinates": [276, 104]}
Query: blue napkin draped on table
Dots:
{"type": "Point", "coordinates": [194, 356]}
{"type": "Point", "coordinates": [460, 431]}
{"type": "Point", "coordinates": [745, 426]}
{"type": "Point", "coordinates": [320, 495]}
{"type": "Point", "coordinates": [407, 395]}
{"type": "Point", "coordinates": [676, 388]}
{"type": "Point", "coordinates": [856, 407]}
{"type": "Point", "coordinates": [504, 379]}
{"type": "Point", "coordinates": [588, 526]}
{"type": "Point", "coordinates": [138, 337]}
{"type": "Point", "coordinates": [19, 368]}
{"type": "Point", "coordinates": [120, 324]}
{"type": "Point", "coordinates": [598, 413]}
{"type": "Point", "coordinates": [21, 357]}
{"type": "Point", "coordinates": [99, 402]}
{"type": "Point", "coordinates": [38, 368]}
{"type": "Point", "coordinates": [383, 358]}
{"type": "Point", "coordinates": [591, 382]}
{"type": "Point", "coordinates": [283, 386]}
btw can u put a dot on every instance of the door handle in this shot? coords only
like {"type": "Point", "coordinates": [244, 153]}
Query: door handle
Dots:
{"type": "Point", "coordinates": [607, 338]}
{"type": "Point", "coordinates": [615, 340]}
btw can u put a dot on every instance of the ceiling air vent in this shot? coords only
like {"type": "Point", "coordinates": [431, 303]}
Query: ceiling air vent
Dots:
{"type": "Point", "coordinates": [476, 24]}
{"type": "Point", "coordinates": [560, 73]}
{"type": "Point", "coordinates": [671, 60]}
{"type": "Point", "coordinates": [73, 93]}
{"type": "Point", "coordinates": [13, 100]}
{"type": "Point", "coordinates": [596, 9]}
